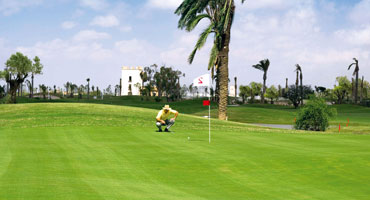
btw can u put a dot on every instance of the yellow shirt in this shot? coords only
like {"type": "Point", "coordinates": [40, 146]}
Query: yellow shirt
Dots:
{"type": "Point", "coordinates": [163, 116]}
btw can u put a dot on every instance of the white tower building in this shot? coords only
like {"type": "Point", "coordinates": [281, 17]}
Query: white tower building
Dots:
{"type": "Point", "coordinates": [131, 81]}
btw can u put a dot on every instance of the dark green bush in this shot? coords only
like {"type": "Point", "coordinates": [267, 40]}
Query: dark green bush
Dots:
{"type": "Point", "coordinates": [157, 99]}
{"type": "Point", "coordinates": [6, 100]}
{"type": "Point", "coordinates": [315, 116]}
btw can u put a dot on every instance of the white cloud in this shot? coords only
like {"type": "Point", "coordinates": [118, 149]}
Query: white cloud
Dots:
{"type": "Point", "coordinates": [94, 4]}
{"type": "Point", "coordinates": [69, 24]}
{"type": "Point", "coordinates": [133, 46]}
{"type": "Point", "coordinates": [9, 7]}
{"type": "Point", "coordinates": [125, 29]}
{"type": "Point", "coordinates": [355, 36]}
{"type": "Point", "coordinates": [164, 4]}
{"type": "Point", "coordinates": [105, 21]}
{"type": "Point", "coordinates": [277, 4]}
{"type": "Point", "coordinates": [361, 12]}
{"type": "Point", "coordinates": [87, 35]}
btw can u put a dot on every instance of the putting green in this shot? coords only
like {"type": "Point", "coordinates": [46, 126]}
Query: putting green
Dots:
{"type": "Point", "coordinates": [89, 151]}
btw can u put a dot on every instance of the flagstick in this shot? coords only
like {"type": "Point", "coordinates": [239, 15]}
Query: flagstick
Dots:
{"type": "Point", "coordinates": [209, 117]}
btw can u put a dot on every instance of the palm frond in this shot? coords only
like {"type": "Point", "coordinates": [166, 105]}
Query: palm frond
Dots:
{"type": "Point", "coordinates": [201, 41]}
{"type": "Point", "coordinates": [213, 57]}
{"type": "Point", "coordinates": [263, 65]}
{"type": "Point", "coordinates": [193, 23]}
{"type": "Point", "coordinates": [192, 55]}
{"type": "Point", "coordinates": [351, 66]}
{"type": "Point", "coordinates": [298, 68]}
{"type": "Point", "coordinates": [258, 66]}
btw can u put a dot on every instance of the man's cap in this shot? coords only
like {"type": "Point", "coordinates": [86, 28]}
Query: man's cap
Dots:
{"type": "Point", "coordinates": [166, 107]}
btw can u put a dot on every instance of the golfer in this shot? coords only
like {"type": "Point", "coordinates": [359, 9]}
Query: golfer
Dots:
{"type": "Point", "coordinates": [162, 118]}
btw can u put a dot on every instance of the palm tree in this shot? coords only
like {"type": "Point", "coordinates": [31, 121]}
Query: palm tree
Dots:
{"type": "Point", "coordinates": [362, 89]}
{"type": "Point", "coordinates": [35, 69]}
{"type": "Point", "coordinates": [299, 70]}
{"type": "Point", "coordinates": [263, 65]}
{"type": "Point", "coordinates": [88, 88]}
{"type": "Point", "coordinates": [236, 87]}
{"type": "Point", "coordinates": [357, 69]}
{"type": "Point", "coordinates": [220, 13]}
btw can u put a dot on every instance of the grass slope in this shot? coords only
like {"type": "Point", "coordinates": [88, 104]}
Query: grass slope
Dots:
{"type": "Point", "coordinates": [89, 151]}
{"type": "Point", "coordinates": [358, 116]}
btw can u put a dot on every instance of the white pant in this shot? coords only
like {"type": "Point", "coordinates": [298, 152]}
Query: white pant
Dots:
{"type": "Point", "coordinates": [168, 124]}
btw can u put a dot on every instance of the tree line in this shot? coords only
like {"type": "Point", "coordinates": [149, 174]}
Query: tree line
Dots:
{"type": "Point", "coordinates": [343, 90]}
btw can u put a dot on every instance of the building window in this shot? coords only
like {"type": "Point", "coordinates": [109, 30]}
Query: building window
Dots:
{"type": "Point", "coordinates": [130, 79]}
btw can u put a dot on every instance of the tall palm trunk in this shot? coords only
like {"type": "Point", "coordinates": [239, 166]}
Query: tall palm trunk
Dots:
{"type": "Point", "coordinates": [32, 76]}
{"type": "Point", "coordinates": [353, 89]}
{"type": "Point", "coordinates": [301, 79]}
{"type": "Point", "coordinates": [236, 86]}
{"type": "Point", "coordinates": [362, 89]}
{"type": "Point", "coordinates": [356, 91]}
{"type": "Point", "coordinates": [264, 88]}
{"type": "Point", "coordinates": [296, 85]}
{"type": "Point", "coordinates": [88, 90]}
{"type": "Point", "coordinates": [224, 69]}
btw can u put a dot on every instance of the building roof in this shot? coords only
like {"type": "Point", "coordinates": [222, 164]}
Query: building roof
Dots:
{"type": "Point", "coordinates": [132, 68]}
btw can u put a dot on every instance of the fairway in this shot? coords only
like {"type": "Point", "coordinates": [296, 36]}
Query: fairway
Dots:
{"type": "Point", "coordinates": [93, 151]}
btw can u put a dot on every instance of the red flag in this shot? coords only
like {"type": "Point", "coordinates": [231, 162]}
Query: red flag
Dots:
{"type": "Point", "coordinates": [206, 102]}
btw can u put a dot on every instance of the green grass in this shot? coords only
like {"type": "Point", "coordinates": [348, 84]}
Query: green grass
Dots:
{"type": "Point", "coordinates": [358, 116]}
{"type": "Point", "coordinates": [91, 151]}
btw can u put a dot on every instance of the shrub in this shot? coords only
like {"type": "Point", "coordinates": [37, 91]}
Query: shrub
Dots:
{"type": "Point", "coordinates": [6, 100]}
{"type": "Point", "coordinates": [315, 116]}
{"type": "Point", "coordinates": [157, 99]}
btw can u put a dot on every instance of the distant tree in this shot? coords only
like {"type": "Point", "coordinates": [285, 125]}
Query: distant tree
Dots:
{"type": "Point", "coordinates": [166, 80]}
{"type": "Point", "coordinates": [148, 76]}
{"type": "Point", "coordinates": [108, 90]}
{"type": "Point", "coordinates": [294, 95]}
{"type": "Point", "coordinates": [97, 91]}
{"type": "Point", "coordinates": [55, 89]}
{"type": "Point", "coordinates": [29, 87]}
{"type": "Point", "coordinates": [244, 92]}
{"type": "Point", "coordinates": [88, 88]}
{"type": "Point", "coordinates": [272, 93]}
{"type": "Point", "coordinates": [355, 73]}
{"type": "Point", "coordinates": [196, 91]}
{"type": "Point", "coordinates": [73, 88]}
{"type": "Point", "coordinates": [256, 90]}
{"type": "Point", "coordinates": [44, 90]}
{"type": "Point", "coordinates": [183, 91]}
{"type": "Point", "coordinates": [366, 89]}
{"type": "Point", "coordinates": [263, 65]}
{"type": "Point", "coordinates": [67, 86]}
{"type": "Point", "coordinates": [280, 91]}
{"type": "Point", "coordinates": [35, 69]}
{"type": "Point", "coordinates": [144, 78]}
{"type": "Point", "coordinates": [2, 91]}
{"type": "Point", "coordinates": [17, 69]}
{"type": "Point", "coordinates": [342, 89]}
{"type": "Point", "coordinates": [191, 89]}
{"type": "Point", "coordinates": [299, 69]}
{"type": "Point", "coordinates": [80, 91]}
{"type": "Point", "coordinates": [116, 89]}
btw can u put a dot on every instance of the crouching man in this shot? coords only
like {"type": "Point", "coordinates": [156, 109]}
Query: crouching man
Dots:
{"type": "Point", "coordinates": [162, 118]}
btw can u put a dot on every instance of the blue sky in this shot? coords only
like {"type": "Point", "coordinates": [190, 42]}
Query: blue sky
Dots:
{"type": "Point", "coordinates": [77, 39]}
